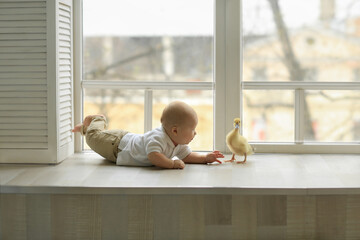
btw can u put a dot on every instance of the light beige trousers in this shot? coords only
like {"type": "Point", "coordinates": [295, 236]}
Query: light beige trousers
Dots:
{"type": "Point", "coordinates": [101, 141]}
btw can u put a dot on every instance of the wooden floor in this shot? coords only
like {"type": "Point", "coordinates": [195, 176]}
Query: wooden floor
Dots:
{"type": "Point", "coordinates": [262, 174]}
{"type": "Point", "coordinates": [270, 197]}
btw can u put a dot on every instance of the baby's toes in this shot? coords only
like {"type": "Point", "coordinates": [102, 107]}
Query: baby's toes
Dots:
{"type": "Point", "coordinates": [77, 128]}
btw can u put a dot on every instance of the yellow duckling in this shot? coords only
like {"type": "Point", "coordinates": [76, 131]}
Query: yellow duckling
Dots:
{"type": "Point", "coordinates": [238, 144]}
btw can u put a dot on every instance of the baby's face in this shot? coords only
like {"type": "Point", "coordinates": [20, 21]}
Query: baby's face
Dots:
{"type": "Point", "coordinates": [186, 132]}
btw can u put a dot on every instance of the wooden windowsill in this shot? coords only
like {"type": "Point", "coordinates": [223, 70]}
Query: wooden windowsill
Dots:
{"type": "Point", "coordinates": [263, 174]}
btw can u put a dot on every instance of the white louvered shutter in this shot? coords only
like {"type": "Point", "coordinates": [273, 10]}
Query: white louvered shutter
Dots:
{"type": "Point", "coordinates": [35, 81]}
{"type": "Point", "coordinates": [65, 78]}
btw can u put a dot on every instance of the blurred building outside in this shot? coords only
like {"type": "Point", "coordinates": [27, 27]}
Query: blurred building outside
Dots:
{"type": "Point", "coordinates": [325, 56]}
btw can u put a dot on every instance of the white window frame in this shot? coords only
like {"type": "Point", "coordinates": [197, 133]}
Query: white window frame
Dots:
{"type": "Point", "coordinates": [227, 86]}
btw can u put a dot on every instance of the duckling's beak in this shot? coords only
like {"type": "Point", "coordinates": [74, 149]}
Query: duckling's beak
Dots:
{"type": "Point", "coordinates": [237, 125]}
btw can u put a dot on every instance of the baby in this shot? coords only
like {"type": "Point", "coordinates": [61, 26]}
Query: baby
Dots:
{"type": "Point", "coordinates": [156, 147]}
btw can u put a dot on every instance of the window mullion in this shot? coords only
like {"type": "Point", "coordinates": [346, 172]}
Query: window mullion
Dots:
{"type": "Point", "coordinates": [148, 105]}
{"type": "Point", "coordinates": [227, 71]}
{"type": "Point", "coordinates": [301, 85]}
{"type": "Point", "coordinates": [78, 48]}
{"type": "Point", "coordinates": [220, 75]}
{"type": "Point", "coordinates": [116, 84]}
{"type": "Point", "coordinates": [299, 116]}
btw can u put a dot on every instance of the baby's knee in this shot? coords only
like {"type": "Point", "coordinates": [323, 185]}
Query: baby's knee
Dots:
{"type": "Point", "coordinates": [92, 135]}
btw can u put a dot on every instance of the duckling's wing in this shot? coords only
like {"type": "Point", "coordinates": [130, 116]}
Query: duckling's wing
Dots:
{"type": "Point", "coordinates": [236, 144]}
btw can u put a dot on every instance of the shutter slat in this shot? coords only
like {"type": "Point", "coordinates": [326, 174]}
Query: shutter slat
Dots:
{"type": "Point", "coordinates": [22, 55]}
{"type": "Point", "coordinates": [22, 132]}
{"type": "Point", "coordinates": [65, 25]}
{"type": "Point", "coordinates": [24, 145]}
{"type": "Point", "coordinates": [64, 50]}
{"type": "Point", "coordinates": [24, 88]}
{"type": "Point", "coordinates": [25, 139]}
{"type": "Point", "coordinates": [11, 4]}
{"type": "Point", "coordinates": [65, 20]}
{"type": "Point", "coordinates": [27, 17]}
{"type": "Point", "coordinates": [23, 126]}
{"type": "Point", "coordinates": [65, 13]}
{"type": "Point", "coordinates": [23, 43]}
{"type": "Point", "coordinates": [65, 86]}
{"type": "Point", "coordinates": [22, 36]}
{"type": "Point", "coordinates": [65, 92]}
{"type": "Point", "coordinates": [64, 31]}
{"type": "Point", "coordinates": [23, 30]}
{"type": "Point", "coordinates": [64, 7]}
{"type": "Point", "coordinates": [64, 44]}
{"type": "Point", "coordinates": [67, 106]}
{"type": "Point", "coordinates": [23, 114]}
{"type": "Point", "coordinates": [29, 10]}
{"type": "Point", "coordinates": [64, 38]}
{"type": "Point", "coordinates": [17, 100]}
{"type": "Point", "coordinates": [65, 130]}
{"type": "Point", "coordinates": [65, 68]}
{"type": "Point", "coordinates": [23, 69]}
{"type": "Point", "coordinates": [64, 62]}
{"type": "Point", "coordinates": [65, 110]}
{"type": "Point", "coordinates": [10, 50]}
{"type": "Point", "coordinates": [65, 141]}
{"type": "Point", "coordinates": [24, 107]}
{"type": "Point", "coordinates": [65, 98]}
{"type": "Point", "coordinates": [65, 74]}
{"type": "Point", "coordinates": [65, 80]}
{"type": "Point", "coordinates": [32, 75]}
{"type": "Point", "coordinates": [13, 81]}
{"type": "Point", "coordinates": [22, 62]}
{"type": "Point", "coordinates": [28, 23]}
{"type": "Point", "coordinates": [23, 94]}
{"type": "Point", "coordinates": [66, 122]}
{"type": "Point", "coordinates": [65, 56]}
{"type": "Point", "coordinates": [65, 116]}
{"type": "Point", "coordinates": [25, 120]}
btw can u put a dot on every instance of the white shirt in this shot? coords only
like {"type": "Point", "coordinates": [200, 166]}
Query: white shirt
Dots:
{"type": "Point", "coordinates": [135, 148]}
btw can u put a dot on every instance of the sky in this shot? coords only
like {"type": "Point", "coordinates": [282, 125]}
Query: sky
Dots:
{"type": "Point", "coordinates": [138, 17]}
{"type": "Point", "coordinates": [195, 17]}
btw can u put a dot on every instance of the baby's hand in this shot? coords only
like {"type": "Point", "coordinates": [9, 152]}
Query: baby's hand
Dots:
{"type": "Point", "coordinates": [179, 164]}
{"type": "Point", "coordinates": [213, 157]}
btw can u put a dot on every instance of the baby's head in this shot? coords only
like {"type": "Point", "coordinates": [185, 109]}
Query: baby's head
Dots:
{"type": "Point", "coordinates": [179, 121]}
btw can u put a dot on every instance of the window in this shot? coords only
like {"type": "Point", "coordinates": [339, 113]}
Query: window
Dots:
{"type": "Point", "coordinates": [139, 55]}
{"type": "Point", "coordinates": [290, 76]}
{"type": "Point", "coordinates": [310, 74]}
{"type": "Point", "coordinates": [310, 96]}
{"type": "Point", "coordinates": [356, 74]}
{"type": "Point", "coordinates": [259, 74]}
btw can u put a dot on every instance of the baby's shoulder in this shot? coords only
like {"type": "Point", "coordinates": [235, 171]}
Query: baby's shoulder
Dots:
{"type": "Point", "coordinates": [156, 133]}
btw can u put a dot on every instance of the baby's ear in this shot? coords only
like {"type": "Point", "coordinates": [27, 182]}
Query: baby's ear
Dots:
{"type": "Point", "coordinates": [174, 130]}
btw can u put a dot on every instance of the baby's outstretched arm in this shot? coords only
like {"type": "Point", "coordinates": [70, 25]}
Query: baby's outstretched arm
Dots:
{"type": "Point", "coordinates": [200, 158]}
{"type": "Point", "coordinates": [160, 160]}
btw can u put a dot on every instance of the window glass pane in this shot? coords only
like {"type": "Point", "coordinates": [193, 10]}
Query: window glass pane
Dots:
{"type": "Point", "coordinates": [268, 115]}
{"type": "Point", "coordinates": [201, 101]}
{"type": "Point", "coordinates": [335, 116]}
{"type": "Point", "coordinates": [124, 109]}
{"type": "Point", "coordinates": [142, 40]}
{"type": "Point", "coordinates": [321, 45]}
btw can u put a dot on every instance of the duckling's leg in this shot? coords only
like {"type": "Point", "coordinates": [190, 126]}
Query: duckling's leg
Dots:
{"type": "Point", "coordinates": [244, 159]}
{"type": "Point", "coordinates": [232, 158]}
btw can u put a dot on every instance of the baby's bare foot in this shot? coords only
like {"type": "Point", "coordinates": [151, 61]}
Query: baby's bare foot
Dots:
{"type": "Point", "coordinates": [77, 128]}
{"type": "Point", "coordinates": [82, 126]}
